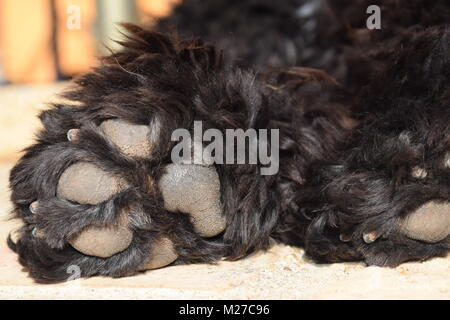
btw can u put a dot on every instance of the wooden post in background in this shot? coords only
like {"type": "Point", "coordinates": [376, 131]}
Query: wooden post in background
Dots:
{"type": "Point", "coordinates": [27, 54]}
{"type": "Point", "coordinates": [76, 46]}
{"type": "Point", "coordinates": [150, 10]}
{"type": "Point", "coordinates": [25, 35]}
{"type": "Point", "coordinates": [38, 45]}
{"type": "Point", "coordinates": [110, 13]}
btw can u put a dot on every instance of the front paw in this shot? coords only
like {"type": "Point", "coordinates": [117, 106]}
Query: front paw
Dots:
{"type": "Point", "coordinates": [422, 234]}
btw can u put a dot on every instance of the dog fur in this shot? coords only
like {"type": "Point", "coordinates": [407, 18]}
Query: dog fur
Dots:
{"type": "Point", "coordinates": [167, 85]}
{"type": "Point", "coordinates": [372, 186]}
{"type": "Point", "coordinates": [347, 146]}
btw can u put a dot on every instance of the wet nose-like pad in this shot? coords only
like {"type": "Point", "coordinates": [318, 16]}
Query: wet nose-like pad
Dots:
{"type": "Point", "coordinates": [85, 183]}
{"type": "Point", "coordinates": [430, 223]}
{"type": "Point", "coordinates": [195, 190]}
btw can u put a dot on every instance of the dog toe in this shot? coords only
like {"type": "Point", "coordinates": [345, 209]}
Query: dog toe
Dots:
{"type": "Point", "coordinates": [195, 190]}
{"type": "Point", "coordinates": [162, 253]}
{"type": "Point", "coordinates": [429, 223]}
{"type": "Point", "coordinates": [132, 140]}
{"type": "Point", "coordinates": [85, 183]}
{"type": "Point", "coordinates": [103, 241]}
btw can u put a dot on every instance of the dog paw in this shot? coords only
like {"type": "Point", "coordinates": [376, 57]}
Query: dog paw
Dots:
{"type": "Point", "coordinates": [189, 190]}
{"type": "Point", "coordinates": [430, 223]}
{"type": "Point", "coordinates": [420, 235]}
{"type": "Point", "coordinates": [194, 190]}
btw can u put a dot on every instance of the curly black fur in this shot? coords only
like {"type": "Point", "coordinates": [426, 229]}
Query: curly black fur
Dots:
{"type": "Point", "coordinates": [262, 34]}
{"type": "Point", "coordinates": [166, 84]}
{"type": "Point", "coordinates": [333, 179]}
{"type": "Point", "coordinates": [330, 35]}
{"type": "Point", "coordinates": [371, 187]}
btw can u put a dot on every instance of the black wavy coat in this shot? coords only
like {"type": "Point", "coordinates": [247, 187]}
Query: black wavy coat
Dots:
{"type": "Point", "coordinates": [167, 85]}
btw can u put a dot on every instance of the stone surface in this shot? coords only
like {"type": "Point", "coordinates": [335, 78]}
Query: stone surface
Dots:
{"type": "Point", "coordinates": [19, 107]}
{"type": "Point", "coordinates": [281, 273]}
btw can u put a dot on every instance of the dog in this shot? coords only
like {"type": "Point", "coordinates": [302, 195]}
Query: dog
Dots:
{"type": "Point", "coordinates": [387, 199]}
{"type": "Point", "coordinates": [80, 174]}
{"type": "Point", "coordinates": [99, 189]}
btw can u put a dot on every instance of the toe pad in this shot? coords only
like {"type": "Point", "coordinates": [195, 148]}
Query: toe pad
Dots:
{"type": "Point", "coordinates": [430, 223]}
{"type": "Point", "coordinates": [86, 183]}
{"type": "Point", "coordinates": [194, 190]}
{"type": "Point", "coordinates": [162, 253]}
{"type": "Point", "coordinates": [132, 140]}
{"type": "Point", "coordinates": [101, 241]}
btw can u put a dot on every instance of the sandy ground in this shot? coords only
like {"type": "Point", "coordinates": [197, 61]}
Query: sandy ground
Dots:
{"type": "Point", "coordinates": [281, 273]}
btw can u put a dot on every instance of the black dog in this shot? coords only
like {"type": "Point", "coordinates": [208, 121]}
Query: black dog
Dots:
{"type": "Point", "coordinates": [336, 185]}
{"type": "Point", "coordinates": [164, 85]}
{"type": "Point", "coordinates": [387, 199]}
{"type": "Point", "coordinates": [330, 35]}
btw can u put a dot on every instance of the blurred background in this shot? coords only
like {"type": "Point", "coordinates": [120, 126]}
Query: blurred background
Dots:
{"type": "Point", "coordinates": [47, 40]}
{"type": "Point", "coordinates": [43, 43]}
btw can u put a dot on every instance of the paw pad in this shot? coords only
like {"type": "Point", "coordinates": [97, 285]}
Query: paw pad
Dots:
{"type": "Point", "coordinates": [101, 241]}
{"type": "Point", "coordinates": [195, 190]}
{"type": "Point", "coordinates": [85, 183]}
{"type": "Point", "coordinates": [429, 223]}
{"type": "Point", "coordinates": [162, 253]}
{"type": "Point", "coordinates": [132, 140]}
{"type": "Point", "coordinates": [186, 189]}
